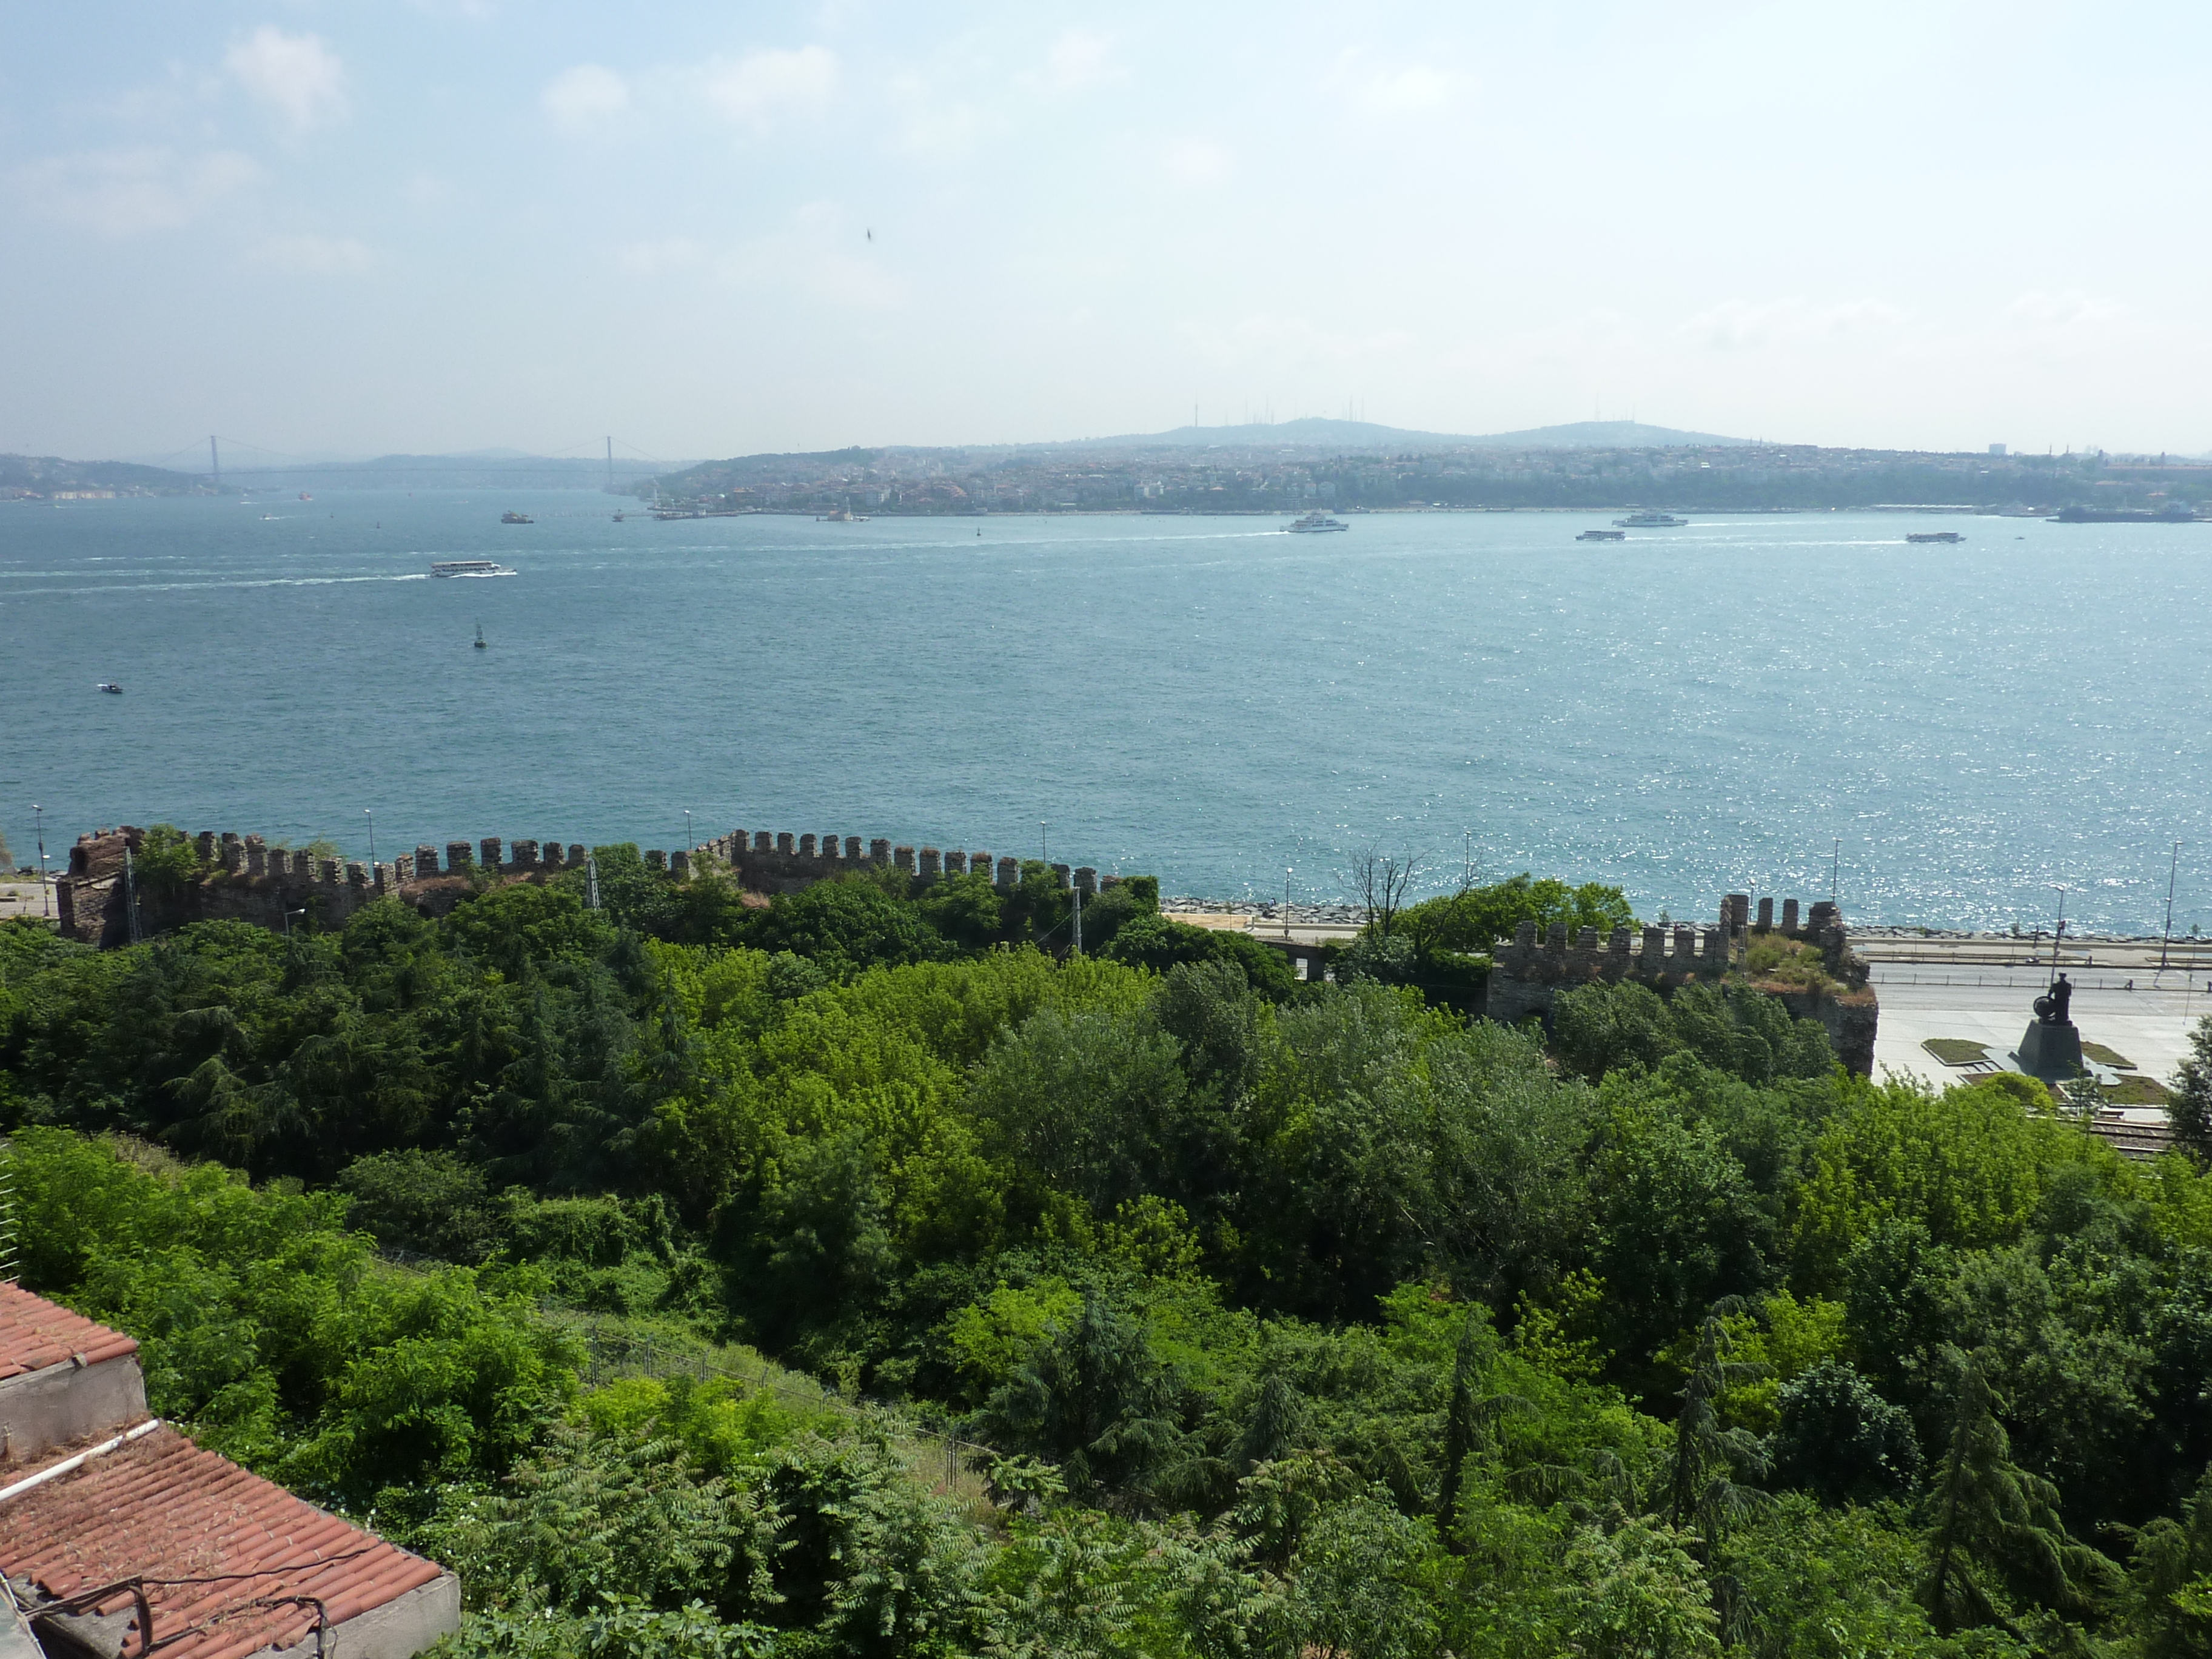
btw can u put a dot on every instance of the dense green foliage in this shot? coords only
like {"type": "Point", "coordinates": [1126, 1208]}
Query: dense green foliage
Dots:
{"type": "Point", "coordinates": [1277, 1318]}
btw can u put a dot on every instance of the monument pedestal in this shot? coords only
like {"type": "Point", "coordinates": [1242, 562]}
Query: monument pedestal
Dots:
{"type": "Point", "coordinates": [2051, 1051]}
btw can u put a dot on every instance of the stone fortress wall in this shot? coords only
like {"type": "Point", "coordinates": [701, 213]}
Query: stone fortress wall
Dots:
{"type": "Point", "coordinates": [1528, 972]}
{"type": "Point", "coordinates": [249, 880]}
{"type": "Point", "coordinates": [782, 863]}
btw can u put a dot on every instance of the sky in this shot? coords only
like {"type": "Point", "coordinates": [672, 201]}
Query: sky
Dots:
{"type": "Point", "coordinates": [334, 226]}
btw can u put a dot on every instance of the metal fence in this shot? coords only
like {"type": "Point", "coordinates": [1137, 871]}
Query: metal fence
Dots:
{"type": "Point", "coordinates": [2175, 984]}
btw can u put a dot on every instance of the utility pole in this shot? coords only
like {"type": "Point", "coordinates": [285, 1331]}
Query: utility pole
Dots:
{"type": "Point", "coordinates": [687, 828]}
{"type": "Point", "coordinates": [1835, 869]}
{"type": "Point", "coordinates": [46, 892]}
{"type": "Point", "coordinates": [1287, 899]}
{"type": "Point", "coordinates": [1042, 852]}
{"type": "Point", "coordinates": [131, 891]}
{"type": "Point", "coordinates": [1078, 921]}
{"type": "Point", "coordinates": [2172, 871]}
{"type": "Point", "coordinates": [369, 812]}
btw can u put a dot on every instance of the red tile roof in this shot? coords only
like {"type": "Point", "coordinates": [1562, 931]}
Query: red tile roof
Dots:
{"type": "Point", "coordinates": [212, 1544]}
{"type": "Point", "coordinates": [35, 1333]}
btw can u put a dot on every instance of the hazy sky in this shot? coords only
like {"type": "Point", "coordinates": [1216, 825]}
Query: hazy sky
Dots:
{"type": "Point", "coordinates": [312, 225]}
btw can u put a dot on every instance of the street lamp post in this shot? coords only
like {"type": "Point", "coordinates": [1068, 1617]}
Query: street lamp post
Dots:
{"type": "Point", "coordinates": [46, 893]}
{"type": "Point", "coordinates": [1044, 850]}
{"type": "Point", "coordinates": [369, 812]}
{"type": "Point", "coordinates": [1287, 899]}
{"type": "Point", "coordinates": [2172, 871]}
{"type": "Point", "coordinates": [687, 828]}
{"type": "Point", "coordinates": [2059, 933]}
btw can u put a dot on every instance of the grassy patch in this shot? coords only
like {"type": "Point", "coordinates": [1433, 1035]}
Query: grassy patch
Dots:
{"type": "Point", "coordinates": [1773, 960]}
{"type": "Point", "coordinates": [2135, 1091]}
{"type": "Point", "coordinates": [2104, 1056]}
{"type": "Point", "coordinates": [1956, 1051]}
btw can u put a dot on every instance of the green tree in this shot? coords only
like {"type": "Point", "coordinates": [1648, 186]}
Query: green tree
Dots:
{"type": "Point", "coordinates": [1996, 1538]}
{"type": "Point", "coordinates": [2189, 1103]}
{"type": "Point", "coordinates": [1843, 1442]}
{"type": "Point", "coordinates": [1701, 1487]}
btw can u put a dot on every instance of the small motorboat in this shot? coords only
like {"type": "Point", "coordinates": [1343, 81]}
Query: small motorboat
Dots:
{"type": "Point", "coordinates": [110, 687]}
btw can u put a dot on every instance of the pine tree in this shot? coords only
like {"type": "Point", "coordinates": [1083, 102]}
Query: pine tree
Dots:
{"type": "Point", "coordinates": [1997, 1531]}
{"type": "Point", "coordinates": [1701, 1490]}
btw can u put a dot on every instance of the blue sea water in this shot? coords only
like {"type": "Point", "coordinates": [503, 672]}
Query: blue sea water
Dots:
{"type": "Point", "coordinates": [1684, 713]}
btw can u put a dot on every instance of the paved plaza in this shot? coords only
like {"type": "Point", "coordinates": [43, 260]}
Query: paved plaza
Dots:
{"type": "Point", "coordinates": [2149, 1025]}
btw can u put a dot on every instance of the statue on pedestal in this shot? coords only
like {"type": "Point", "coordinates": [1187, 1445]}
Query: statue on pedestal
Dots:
{"type": "Point", "coordinates": [2052, 1047]}
{"type": "Point", "coordinates": [2052, 1008]}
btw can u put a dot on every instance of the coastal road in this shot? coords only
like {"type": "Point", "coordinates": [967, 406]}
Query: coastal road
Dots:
{"type": "Point", "coordinates": [20, 898]}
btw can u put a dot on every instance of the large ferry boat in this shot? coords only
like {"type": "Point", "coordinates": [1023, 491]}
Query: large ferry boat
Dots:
{"type": "Point", "coordinates": [1315, 524]}
{"type": "Point", "coordinates": [1648, 520]}
{"type": "Point", "coordinates": [470, 568]}
{"type": "Point", "coordinates": [1935, 536]}
{"type": "Point", "coordinates": [1602, 536]}
{"type": "Point", "coordinates": [516, 517]}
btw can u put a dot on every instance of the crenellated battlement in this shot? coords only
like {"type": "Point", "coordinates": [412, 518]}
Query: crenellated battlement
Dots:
{"type": "Point", "coordinates": [247, 879]}
{"type": "Point", "coordinates": [1528, 971]}
{"type": "Point", "coordinates": [765, 861]}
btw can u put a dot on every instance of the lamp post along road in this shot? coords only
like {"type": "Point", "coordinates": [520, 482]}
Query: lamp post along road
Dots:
{"type": "Point", "coordinates": [46, 892]}
{"type": "Point", "coordinates": [2172, 871]}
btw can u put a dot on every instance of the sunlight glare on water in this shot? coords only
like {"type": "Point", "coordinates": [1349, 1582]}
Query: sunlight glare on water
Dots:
{"type": "Point", "coordinates": [1683, 712]}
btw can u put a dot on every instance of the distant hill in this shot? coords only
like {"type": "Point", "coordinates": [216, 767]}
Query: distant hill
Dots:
{"type": "Point", "coordinates": [1313, 432]}
{"type": "Point", "coordinates": [41, 475]}
{"type": "Point", "coordinates": [484, 469]}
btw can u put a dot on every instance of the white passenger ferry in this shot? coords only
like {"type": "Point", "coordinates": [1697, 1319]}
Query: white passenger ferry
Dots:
{"type": "Point", "coordinates": [470, 568]}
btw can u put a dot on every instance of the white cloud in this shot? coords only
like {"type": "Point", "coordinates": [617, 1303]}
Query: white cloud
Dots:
{"type": "Point", "coordinates": [819, 254]}
{"type": "Point", "coordinates": [1198, 164]}
{"type": "Point", "coordinates": [1080, 58]}
{"type": "Point", "coordinates": [126, 193]}
{"type": "Point", "coordinates": [313, 256]}
{"type": "Point", "coordinates": [657, 259]}
{"type": "Point", "coordinates": [759, 88]}
{"type": "Point", "coordinates": [296, 75]}
{"type": "Point", "coordinates": [1407, 90]}
{"type": "Point", "coordinates": [1742, 325]}
{"type": "Point", "coordinates": [580, 97]}
{"type": "Point", "coordinates": [2039, 309]}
